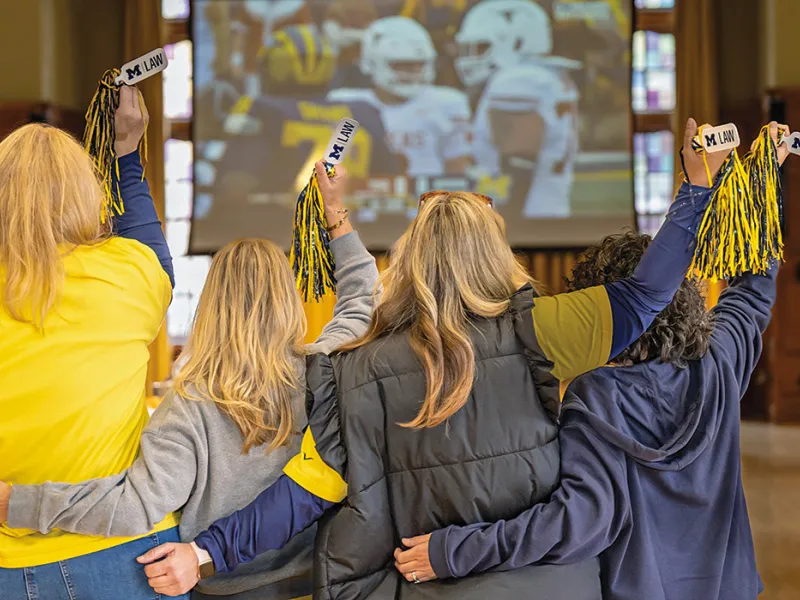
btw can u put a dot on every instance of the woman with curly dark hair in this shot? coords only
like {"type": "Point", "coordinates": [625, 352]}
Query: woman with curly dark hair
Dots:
{"type": "Point", "coordinates": [650, 468]}
{"type": "Point", "coordinates": [679, 334]}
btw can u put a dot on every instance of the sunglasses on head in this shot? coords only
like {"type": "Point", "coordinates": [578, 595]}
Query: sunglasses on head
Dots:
{"type": "Point", "coordinates": [433, 193]}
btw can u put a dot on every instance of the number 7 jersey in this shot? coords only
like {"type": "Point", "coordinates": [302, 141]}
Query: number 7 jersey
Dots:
{"type": "Point", "coordinates": [292, 134]}
{"type": "Point", "coordinates": [549, 92]}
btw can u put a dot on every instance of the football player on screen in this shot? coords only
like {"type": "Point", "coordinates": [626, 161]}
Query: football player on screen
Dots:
{"type": "Point", "coordinates": [271, 141]}
{"type": "Point", "coordinates": [532, 118]}
{"type": "Point", "coordinates": [428, 124]}
{"type": "Point", "coordinates": [496, 34]}
{"type": "Point", "coordinates": [508, 42]}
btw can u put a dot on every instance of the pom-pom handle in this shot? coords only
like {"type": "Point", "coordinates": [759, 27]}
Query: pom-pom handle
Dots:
{"type": "Point", "coordinates": [341, 140]}
{"type": "Point", "coordinates": [722, 138]}
{"type": "Point", "coordinates": [792, 142]}
{"type": "Point", "coordinates": [143, 67]}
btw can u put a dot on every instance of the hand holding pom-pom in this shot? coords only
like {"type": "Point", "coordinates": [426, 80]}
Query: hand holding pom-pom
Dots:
{"type": "Point", "coordinates": [130, 121]}
{"type": "Point", "coordinates": [695, 163]}
{"type": "Point", "coordinates": [332, 190]}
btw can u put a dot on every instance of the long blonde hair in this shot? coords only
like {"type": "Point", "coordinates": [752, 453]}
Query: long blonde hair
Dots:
{"type": "Point", "coordinates": [246, 342]}
{"type": "Point", "coordinates": [50, 202]}
{"type": "Point", "coordinates": [451, 265]}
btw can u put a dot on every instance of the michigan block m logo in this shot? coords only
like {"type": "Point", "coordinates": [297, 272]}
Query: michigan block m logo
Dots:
{"type": "Point", "coordinates": [134, 72]}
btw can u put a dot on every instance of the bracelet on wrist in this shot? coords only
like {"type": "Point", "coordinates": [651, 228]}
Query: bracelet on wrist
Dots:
{"type": "Point", "coordinates": [340, 222]}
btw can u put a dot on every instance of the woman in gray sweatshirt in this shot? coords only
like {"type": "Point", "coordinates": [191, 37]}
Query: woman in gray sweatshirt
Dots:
{"type": "Point", "coordinates": [233, 419]}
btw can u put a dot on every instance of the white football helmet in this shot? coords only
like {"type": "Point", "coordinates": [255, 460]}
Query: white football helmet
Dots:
{"type": "Point", "coordinates": [500, 33]}
{"type": "Point", "coordinates": [387, 45]}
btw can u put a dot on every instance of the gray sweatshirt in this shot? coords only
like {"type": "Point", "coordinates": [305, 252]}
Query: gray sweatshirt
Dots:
{"type": "Point", "coordinates": [191, 459]}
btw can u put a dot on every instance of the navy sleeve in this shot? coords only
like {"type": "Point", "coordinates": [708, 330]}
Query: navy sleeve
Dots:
{"type": "Point", "coordinates": [278, 514]}
{"type": "Point", "coordinates": [637, 300]}
{"type": "Point", "coordinates": [140, 221]}
{"type": "Point", "coordinates": [741, 316]}
{"type": "Point", "coordinates": [583, 517]}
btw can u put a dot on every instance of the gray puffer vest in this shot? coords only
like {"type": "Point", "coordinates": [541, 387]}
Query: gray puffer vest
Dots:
{"type": "Point", "coordinates": [493, 459]}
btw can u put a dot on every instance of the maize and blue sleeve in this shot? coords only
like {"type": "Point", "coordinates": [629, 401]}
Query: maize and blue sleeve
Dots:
{"type": "Point", "coordinates": [580, 331]}
{"type": "Point", "coordinates": [140, 221]}
{"type": "Point", "coordinates": [295, 501]}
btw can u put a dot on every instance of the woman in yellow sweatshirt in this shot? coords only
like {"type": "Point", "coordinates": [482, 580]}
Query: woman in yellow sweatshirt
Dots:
{"type": "Point", "coordinates": [80, 301]}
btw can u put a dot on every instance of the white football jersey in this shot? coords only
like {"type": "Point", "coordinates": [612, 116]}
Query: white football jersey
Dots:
{"type": "Point", "coordinates": [552, 94]}
{"type": "Point", "coordinates": [428, 129]}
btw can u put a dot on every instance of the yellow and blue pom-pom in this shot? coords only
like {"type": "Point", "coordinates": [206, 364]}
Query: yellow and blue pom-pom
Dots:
{"type": "Point", "coordinates": [99, 136]}
{"type": "Point", "coordinates": [310, 254]}
{"type": "Point", "coordinates": [741, 229]}
{"type": "Point", "coordinates": [727, 239]}
{"type": "Point", "coordinates": [763, 171]}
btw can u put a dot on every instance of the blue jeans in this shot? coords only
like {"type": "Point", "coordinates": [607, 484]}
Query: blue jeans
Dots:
{"type": "Point", "coordinates": [111, 574]}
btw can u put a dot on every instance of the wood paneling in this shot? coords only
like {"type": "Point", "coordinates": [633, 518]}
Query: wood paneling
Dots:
{"type": "Point", "coordinates": [652, 122]}
{"type": "Point", "coordinates": [16, 114]}
{"type": "Point", "coordinates": [661, 21]}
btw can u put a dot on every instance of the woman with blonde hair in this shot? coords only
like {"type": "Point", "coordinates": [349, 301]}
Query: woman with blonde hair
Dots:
{"type": "Point", "coordinates": [79, 304]}
{"type": "Point", "coordinates": [233, 418]}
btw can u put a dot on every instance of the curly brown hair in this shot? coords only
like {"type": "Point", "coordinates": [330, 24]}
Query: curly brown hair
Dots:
{"type": "Point", "coordinates": [680, 333]}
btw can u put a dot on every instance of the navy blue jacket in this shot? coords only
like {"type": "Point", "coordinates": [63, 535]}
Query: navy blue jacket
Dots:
{"type": "Point", "coordinates": [651, 475]}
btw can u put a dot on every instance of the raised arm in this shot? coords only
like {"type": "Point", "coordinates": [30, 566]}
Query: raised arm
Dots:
{"type": "Point", "coordinates": [157, 483]}
{"type": "Point", "coordinates": [139, 221]}
{"type": "Point", "coordinates": [582, 330]}
{"type": "Point", "coordinates": [741, 317]}
{"type": "Point", "coordinates": [745, 309]}
{"type": "Point", "coordinates": [356, 272]}
{"type": "Point", "coordinates": [583, 517]}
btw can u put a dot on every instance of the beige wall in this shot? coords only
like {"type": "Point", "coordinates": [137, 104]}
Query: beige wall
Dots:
{"type": "Point", "coordinates": [55, 50]}
{"type": "Point", "coordinates": [20, 56]}
{"type": "Point", "coordinates": [738, 51]}
{"type": "Point", "coordinates": [780, 50]}
{"type": "Point", "coordinates": [779, 63]}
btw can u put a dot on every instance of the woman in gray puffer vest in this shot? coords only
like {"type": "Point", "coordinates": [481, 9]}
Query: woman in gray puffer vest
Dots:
{"type": "Point", "coordinates": [444, 412]}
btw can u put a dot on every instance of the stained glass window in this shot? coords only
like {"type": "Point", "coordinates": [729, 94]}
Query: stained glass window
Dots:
{"type": "Point", "coordinates": [653, 175]}
{"type": "Point", "coordinates": [178, 81]}
{"type": "Point", "coordinates": [655, 4]}
{"type": "Point", "coordinates": [190, 271]}
{"type": "Point", "coordinates": [653, 77]}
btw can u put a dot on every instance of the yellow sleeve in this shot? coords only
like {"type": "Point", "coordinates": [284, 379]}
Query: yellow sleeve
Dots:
{"type": "Point", "coordinates": [574, 330]}
{"type": "Point", "coordinates": [308, 470]}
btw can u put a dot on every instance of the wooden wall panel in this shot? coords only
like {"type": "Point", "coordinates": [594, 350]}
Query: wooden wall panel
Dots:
{"type": "Point", "coordinates": [16, 114]}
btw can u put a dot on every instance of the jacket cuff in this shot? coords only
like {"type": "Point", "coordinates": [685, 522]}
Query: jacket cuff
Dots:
{"type": "Point", "coordinates": [437, 554]}
{"type": "Point", "coordinates": [23, 506]}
